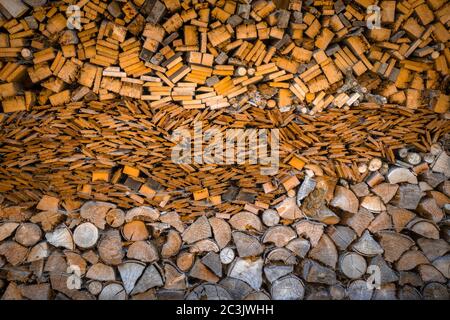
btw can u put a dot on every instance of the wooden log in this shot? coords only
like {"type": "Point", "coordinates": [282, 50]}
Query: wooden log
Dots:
{"type": "Point", "coordinates": [85, 235]}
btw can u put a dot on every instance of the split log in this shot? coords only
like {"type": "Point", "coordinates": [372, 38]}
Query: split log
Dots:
{"type": "Point", "coordinates": [135, 231]}
{"type": "Point", "coordinates": [367, 246]}
{"type": "Point", "coordinates": [130, 273]}
{"type": "Point", "coordinates": [221, 231]}
{"type": "Point", "coordinates": [172, 245]}
{"type": "Point", "coordinates": [325, 252]}
{"type": "Point", "coordinates": [248, 271]}
{"type": "Point", "coordinates": [95, 212]}
{"type": "Point", "coordinates": [198, 230]}
{"type": "Point", "coordinates": [113, 291]}
{"type": "Point", "coordinates": [61, 237]}
{"type": "Point", "coordinates": [143, 251]}
{"type": "Point", "coordinates": [345, 199]}
{"type": "Point", "coordinates": [247, 245]}
{"type": "Point", "coordinates": [279, 235]}
{"type": "Point", "coordinates": [110, 247]}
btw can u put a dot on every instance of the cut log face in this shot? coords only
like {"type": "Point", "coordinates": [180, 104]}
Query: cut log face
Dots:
{"type": "Point", "coordinates": [367, 246]}
{"type": "Point", "coordinates": [172, 245]}
{"type": "Point", "coordinates": [424, 228]}
{"type": "Point", "coordinates": [173, 219]}
{"type": "Point", "coordinates": [342, 236]}
{"type": "Point", "coordinates": [373, 204]}
{"type": "Point", "coordinates": [316, 273]}
{"type": "Point", "coordinates": [209, 292]}
{"type": "Point", "coordinates": [399, 175]}
{"type": "Point", "coordinates": [279, 235]}
{"type": "Point", "coordinates": [345, 199]}
{"type": "Point", "coordinates": [411, 259]}
{"type": "Point", "coordinates": [386, 191]}
{"type": "Point", "coordinates": [443, 265]}
{"type": "Point", "coordinates": [433, 249]}
{"type": "Point", "coordinates": [212, 261]}
{"type": "Point", "coordinates": [387, 274]}
{"type": "Point", "coordinates": [273, 273]}
{"type": "Point", "coordinates": [247, 270]}
{"type": "Point", "coordinates": [435, 291]}
{"type": "Point", "coordinates": [408, 197]}
{"type": "Point", "coordinates": [28, 234]}
{"type": "Point", "coordinates": [288, 288]}
{"type": "Point", "coordinates": [244, 221]}
{"type": "Point", "coordinates": [359, 221]}
{"type": "Point", "coordinates": [199, 230]}
{"type": "Point", "coordinates": [7, 229]}
{"type": "Point", "coordinates": [400, 217]}
{"type": "Point", "coordinates": [13, 252]}
{"type": "Point", "coordinates": [185, 260]}
{"type": "Point", "coordinates": [238, 289]}
{"type": "Point", "coordinates": [288, 209]}
{"type": "Point", "coordinates": [135, 231]}
{"type": "Point", "coordinates": [270, 217]}
{"type": "Point", "coordinates": [142, 213]}
{"type": "Point", "coordinates": [299, 247]}
{"type": "Point", "coordinates": [429, 273]}
{"type": "Point", "coordinates": [130, 273]}
{"type": "Point", "coordinates": [203, 246]}
{"type": "Point", "coordinates": [227, 255]}
{"type": "Point", "coordinates": [200, 271]}
{"type": "Point", "coordinates": [85, 235]}
{"type": "Point", "coordinates": [143, 251]}
{"type": "Point", "coordinates": [382, 221]}
{"type": "Point", "coordinates": [110, 248]}
{"type": "Point", "coordinates": [38, 252]}
{"type": "Point", "coordinates": [221, 231]}
{"type": "Point", "coordinates": [359, 290]}
{"type": "Point", "coordinates": [115, 217]}
{"type": "Point", "coordinates": [325, 252]}
{"type": "Point", "coordinates": [311, 230]}
{"type": "Point", "coordinates": [150, 278]}
{"type": "Point", "coordinates": [352, 265]}
{"type": "Point", "coordinates": [429, 209]}
{"type": "Point", "coordinates": [95, 212]}
{"type": "Point", "coordinates": [101, 272]}
{"type": "Point", "coordinates": [247, 245]}
{"type": "Point", "coordinates": [113, 291]}
{"type": "Point", "coordinates": [394, 245]}
{"type": "Point", "coordinates": [61, 237]}
{"type": "Point", "coordinates": [174, 279]}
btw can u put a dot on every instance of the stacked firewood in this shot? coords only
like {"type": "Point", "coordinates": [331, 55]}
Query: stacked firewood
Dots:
{"type": "Point", "coordinates": [384, 238]}
{"type": "Point", "coordinates": [207, 54]}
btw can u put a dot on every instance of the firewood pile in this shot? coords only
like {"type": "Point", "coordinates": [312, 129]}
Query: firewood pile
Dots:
{"type": "Point", "coordinates": [92, 205]}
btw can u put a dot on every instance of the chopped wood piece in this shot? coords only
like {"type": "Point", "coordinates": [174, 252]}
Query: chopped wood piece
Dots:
{"type": "Point", "coordinates": [345, 200]}
{"type": "Point", "coordinates": [279, 235]}
{"type": "Point", "coordinates": [244, 221]}
{"type": "Point", "coordinates": [247, 245]}
{"type": "Point", "coordinates": [135, 231]}
{"type": "Point", "coordinates": [394, 245]}
{"type": "Point", "coordinates": [95, 212]}
{"type": "Point", "coordinates": [60, 237]}
{"type": "Point", "coordinates": [367, 246]}
{"type": "Point", "coordinates": [325, 252]}
{"type": "Point", "coordinates": [198, 230]}
{"type": "Point", "coordinates": [110, 247]}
